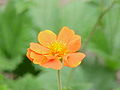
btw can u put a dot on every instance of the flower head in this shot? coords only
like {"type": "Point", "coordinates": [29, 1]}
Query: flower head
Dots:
{"type": "Point", "coordinates": [54, 51]}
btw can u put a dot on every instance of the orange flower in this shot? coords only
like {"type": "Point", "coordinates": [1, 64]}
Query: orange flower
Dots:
{"type": "Point", "coordinates": [54, 51]}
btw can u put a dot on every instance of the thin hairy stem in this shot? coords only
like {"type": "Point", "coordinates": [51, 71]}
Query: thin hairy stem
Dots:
{"type": "Point", "coordinates": [97, 24]}
{"type": "Point", "coordinates": [59, 80]}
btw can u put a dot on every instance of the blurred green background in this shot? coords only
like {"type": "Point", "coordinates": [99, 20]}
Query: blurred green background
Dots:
{"type": "Point", "coordinates": [98, 23]}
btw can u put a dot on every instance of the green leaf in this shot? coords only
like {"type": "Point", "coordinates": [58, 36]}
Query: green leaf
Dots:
{"type": "Point", "coordinates": [16, 32]}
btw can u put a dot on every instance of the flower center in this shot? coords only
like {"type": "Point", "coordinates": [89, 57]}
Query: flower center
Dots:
{"type": "Point", "coordinates": [58, 48]}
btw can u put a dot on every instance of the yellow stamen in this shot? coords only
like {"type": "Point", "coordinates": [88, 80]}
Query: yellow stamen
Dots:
{"type": "Point", "coordinates": [58, 48]}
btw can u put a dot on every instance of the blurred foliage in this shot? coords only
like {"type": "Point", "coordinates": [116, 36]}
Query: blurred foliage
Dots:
{"type": "Point", "coordinates": [15, 27]}
{"type": "Point", "coordinates": [20, 22]}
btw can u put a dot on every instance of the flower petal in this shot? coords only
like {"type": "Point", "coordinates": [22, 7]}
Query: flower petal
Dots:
{"type": "Point", "coordinates": [46, 37]}
{"type": "Point", "coordinates": [38, 59]}
{"type": "Point", "coordinates": [74, 59]}
{"type": "Point", "coordinates": [74, 44]}
{"type": "Point", "coordinates": [65, 35]}
{"type": "Point", "coordinates": [28, 54]}
{"type": "Point", "coordinates": [39, 48]}
{"type": "Point", "coordinates": [54, 64]}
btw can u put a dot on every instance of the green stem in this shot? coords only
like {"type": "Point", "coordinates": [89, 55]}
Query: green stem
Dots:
{"type": "Point", "coordinates": [103, 13]}
{"type": "Point", "coordinates": [59, 80]}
